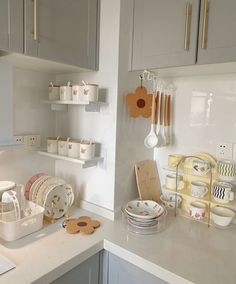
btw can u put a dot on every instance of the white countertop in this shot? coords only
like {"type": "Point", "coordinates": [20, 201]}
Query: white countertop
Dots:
{"type": "Point", "coordinates": [185, 252]}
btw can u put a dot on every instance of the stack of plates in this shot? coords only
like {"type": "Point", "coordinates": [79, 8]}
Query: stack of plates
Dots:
{"type": "Point", "coordinates": [146, 215]}
{"type": "Point", "coordinates": [50, 192]}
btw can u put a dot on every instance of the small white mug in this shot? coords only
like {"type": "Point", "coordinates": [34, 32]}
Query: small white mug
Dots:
{"type": "Point", "coordinates": [171, 182]}
{"type": "Point", "coordinates": [198, 189]}
{"type": "Point", "coordinates": [197, 210]}
{"type": "Point", "coordinates": [87, 150]}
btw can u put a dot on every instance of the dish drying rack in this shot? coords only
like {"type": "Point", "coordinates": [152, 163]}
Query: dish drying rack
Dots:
{"type": "Point", "coordinates": [22, 219]}
{"type": "Point", "coordinates": [29, 221]}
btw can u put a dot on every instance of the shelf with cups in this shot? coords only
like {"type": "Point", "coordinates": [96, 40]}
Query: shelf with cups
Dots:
{"type": "Point", "coordinates": [86, 163]}
{"type": "Point", "coordinates": [195, 179]}
{"type": "Point", "coordinates": [80, 151]}
{"type": "Point", "coordinates": [60, 97]}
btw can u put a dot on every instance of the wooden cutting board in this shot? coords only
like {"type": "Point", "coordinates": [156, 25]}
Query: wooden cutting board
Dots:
{"type": "Point", "coordinates": [147, 179]}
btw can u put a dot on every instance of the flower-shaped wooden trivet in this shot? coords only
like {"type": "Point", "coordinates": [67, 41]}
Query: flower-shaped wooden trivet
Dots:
{"type": "Point", "coordinates": [139, 103]}
{"type": "Point", "coordinates": [83, 224]}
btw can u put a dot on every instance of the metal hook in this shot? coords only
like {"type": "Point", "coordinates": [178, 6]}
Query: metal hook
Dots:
{"type": "Point", "coordinates": [141, 80]}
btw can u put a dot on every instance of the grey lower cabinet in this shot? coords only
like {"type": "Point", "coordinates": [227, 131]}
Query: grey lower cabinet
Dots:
{"type": "Point", "coordinates": [164, 33]}
{"type": "Point", "coordinates": [11, 25]}
{"type": "Point", "coordinates": [63, 31]}
{"type": "Point", "coordinates": [86, 273]}
{"type": "Point", "coordinates": [123, 272]}
{"type": "Point", "coordinates": [217, 40]}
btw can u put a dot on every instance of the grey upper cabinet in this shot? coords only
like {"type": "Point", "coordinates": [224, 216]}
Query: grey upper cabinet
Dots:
{"type": "Point", "coordinates": [164, 33]}
{"type": "Point", "coordinates": [217, 40]}
{"type": "Point", "coordinates": [63, 31]}
{"type": "Point", "coordinates": [11, 25]}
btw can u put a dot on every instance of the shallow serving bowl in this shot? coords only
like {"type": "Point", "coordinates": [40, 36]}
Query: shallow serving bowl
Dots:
{"type": "Point", "coordinates": [222, 216]}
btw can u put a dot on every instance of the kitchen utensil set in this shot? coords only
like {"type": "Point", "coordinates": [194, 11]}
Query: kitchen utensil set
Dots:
{"type": "Point", "coordinates": [159, 135]}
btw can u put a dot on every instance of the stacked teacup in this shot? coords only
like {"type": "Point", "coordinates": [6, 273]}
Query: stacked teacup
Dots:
{"type": "Point", "coordinates": [223, 189]}
{"type": "Point", "coordinates": [222, 192]}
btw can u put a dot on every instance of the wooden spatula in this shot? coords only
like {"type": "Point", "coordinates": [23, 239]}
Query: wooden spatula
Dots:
{"type": "Point", "coordinates": [147, 179]}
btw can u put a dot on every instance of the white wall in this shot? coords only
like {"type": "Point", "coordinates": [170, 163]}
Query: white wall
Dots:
{"type": "Point", "coordinates": [130, 132]}
{"type": "Point", "coordinates": [96, 185]}
{"type": "Point", "coordinates": [30, 116]}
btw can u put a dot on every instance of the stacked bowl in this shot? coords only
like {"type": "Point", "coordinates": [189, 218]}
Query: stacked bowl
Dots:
{"type": "Point", "coordinates": [144, 216]}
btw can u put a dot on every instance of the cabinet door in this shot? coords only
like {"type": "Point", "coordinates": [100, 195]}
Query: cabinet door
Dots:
{"type": "Point", "coordinates": [66, 31]}
{"type": "Point", "coordinates": [122, 272]}
{"type": "Point", "coordinates": [16, 25]}
{"type": "Point", "coordinates": [162, 30]}
{"type": "Point", "coordinates": [6, 104]}
{"type": "Point", "coordinates": [218, 31]}
{"type": "Point", "coordinates": [4, 27]}
{"type": "Point", "coordinates": [86, 273]}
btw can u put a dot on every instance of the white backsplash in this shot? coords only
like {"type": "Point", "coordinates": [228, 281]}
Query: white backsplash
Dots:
{"type": "Point", "coordinates": [203, 115]}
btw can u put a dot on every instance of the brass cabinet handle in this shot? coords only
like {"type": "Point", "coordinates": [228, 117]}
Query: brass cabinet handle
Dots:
{"type": "Point", "coordinates": [35, 19]}
{"type": "Point", "coordinates": [188, 13]}
{"type": "Point", "coordinates": [204, 24]}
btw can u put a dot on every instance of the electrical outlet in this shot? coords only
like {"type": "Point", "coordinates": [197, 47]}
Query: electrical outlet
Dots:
{"type": "Point", "coordinates": [224, 150]}
{"type": "Point", "coordinates": [33, 141]}
{"type": "Point", "coordinates": [19, 140]}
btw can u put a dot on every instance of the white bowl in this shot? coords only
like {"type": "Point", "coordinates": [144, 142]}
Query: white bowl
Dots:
{"type": "Point", "coordinates": [168, 200]}
{"type": "Point", "coordinates": [222, 216]}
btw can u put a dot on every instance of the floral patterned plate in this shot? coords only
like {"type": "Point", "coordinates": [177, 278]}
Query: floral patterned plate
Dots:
{"type": "Point", "coordinates": [144, 209]}
{"type": "Point", "coordinates": [58, 200]}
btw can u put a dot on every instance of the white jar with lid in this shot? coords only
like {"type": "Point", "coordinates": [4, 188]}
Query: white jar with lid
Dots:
{"type": "Point", "coordinates": [63, 146]}
{"type": "Point", "coordinates": [75, 93]}
{"type": "Point", "coordinates": [87, 150]}
{"type": "Point", "coordinates": [73, 148]}
{"type": "Point", "coordinates": [52, 145]}
{"type": "Point", "coordinates": [53, 92]}
{"type": "Point", "coordinates": [89, 92]}
{"type": "Point", "coordinates": [66, 92]}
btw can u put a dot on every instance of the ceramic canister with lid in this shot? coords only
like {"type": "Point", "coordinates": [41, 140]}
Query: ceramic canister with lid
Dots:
{"type": "Point", "coordinates": [74, 148]}
{"type": "Point", "coordinates": [52, 145]}
{"type": "Point", "coordinates": [63, 146]}
{"type": "Point", "coordinates": [90, 91]}
{"type": "Point", "coordinates": [87, 149]}
{"type": "Point", "coordinates": [76, 90]}
{"type": "Point", "coordinates": [53, 92]}
{"type": "Point", "coordinates": [66, 92]}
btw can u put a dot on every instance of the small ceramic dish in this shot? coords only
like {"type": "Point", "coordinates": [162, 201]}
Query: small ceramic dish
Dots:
{"type": "Point", "coordinates": [168, 200]}
{"type": "Point", "coordinates": [144, 209]}
{"type": "Point", "coordinates": [222, 216]}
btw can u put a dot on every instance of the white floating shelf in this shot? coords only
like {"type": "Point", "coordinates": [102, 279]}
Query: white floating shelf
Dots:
{"type": "Point", "coordinates": [65, 102]}
{"type": "Point", "coordinates": [85, 163]}
{"type": "Point", "coordinates": [63, 105]}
